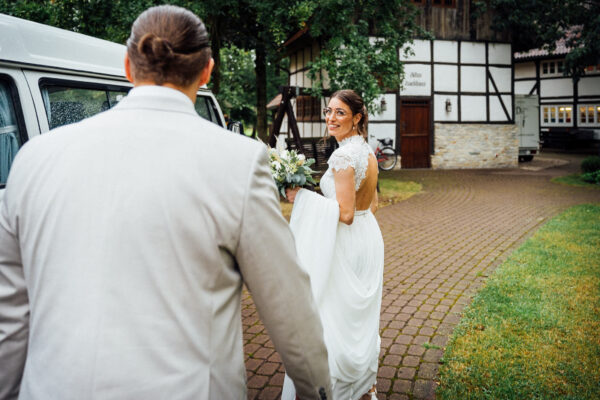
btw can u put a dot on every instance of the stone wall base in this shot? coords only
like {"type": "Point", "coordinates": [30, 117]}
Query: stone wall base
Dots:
{"type": "Point", "coordinates": [475, 146]}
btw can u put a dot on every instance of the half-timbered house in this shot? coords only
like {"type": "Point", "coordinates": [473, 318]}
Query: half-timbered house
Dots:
{"type": "Point", "coordinates": [455, 108]}
{"type": "Point", "coordinates": [569, 108]}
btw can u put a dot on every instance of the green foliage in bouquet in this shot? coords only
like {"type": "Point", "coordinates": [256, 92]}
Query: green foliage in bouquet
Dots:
{"type": "Point", "coordinates": [290, 169]}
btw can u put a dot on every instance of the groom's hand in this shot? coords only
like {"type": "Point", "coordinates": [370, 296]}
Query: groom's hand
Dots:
{"type": "Point", "coordinates": [290, 193]}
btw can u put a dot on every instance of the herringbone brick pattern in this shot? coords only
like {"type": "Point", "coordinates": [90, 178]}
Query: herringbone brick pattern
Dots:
{"type": "Point", "coordinates": [440, 246]}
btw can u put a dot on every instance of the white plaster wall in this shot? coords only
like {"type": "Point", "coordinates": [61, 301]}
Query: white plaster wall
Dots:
{"type": "Point", "coordinates": [496, 111]}
{"type": "Point", "coordinates": [472, 53]}
{"type": "Point", "coordinates": [556, 87]}
{"type": "Point", "coordinates": [508, 102]}
{"type": "Point", "coordinates": [445, 78]}
{"type": "Point", "coordinates": [589, 86]}
{"type": "Point", "coordinates": [472, 79]}
{"type": "Point", "coordinates": [439, 108]}
{"type": "Point", "coordinates": [421, 51]}
{"type": "Point", "coordinates": [293, 60]}
{"type": "Point", "coordinates": [382, 131]}
{"type": "Point", "coordinates": [473, 108]}
{"type": "Point", "coordinates": [503, 79]}
{"type": "Point", "coordinates": [318, 129]}
{"type": "Point", "coordinates": [499, 53]}
{"type": "Point", "coordinates": [294, 79]}
{"type": "Point", "coordinates": [322, 129]}
{"type": "Point", "coordinates": [566, 100]}
{"type": "Point", "coordinates": [525, 70]}
{"type": "Point", "coordinates": [306, 81]}
{"type": "Point", "coordinates": [307, 56]}
{"type": "Point", "coordinates": [417, 80]}
{"type": "Point", "coordinates": [524, 87]}
{"type": "Point", "coordinates": [307, 129]}
{"type": "Point", "coordinates": [375, 39]}
{"type": "Point", "coordinates": [390, 113]}
{"type": "Point", "coordinates": [305, 133]}
{"type": "Point", "coordinates": [445, 51]}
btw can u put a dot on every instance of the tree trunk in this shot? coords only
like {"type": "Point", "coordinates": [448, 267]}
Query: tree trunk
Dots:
{"type": "Point", "coordinates": [260, 67]}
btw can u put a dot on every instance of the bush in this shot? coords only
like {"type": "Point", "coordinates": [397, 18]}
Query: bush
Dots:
{"type": "Point", "coordinates": [591, 177]}
{"type": "Point", "coordinates": [590, 164]}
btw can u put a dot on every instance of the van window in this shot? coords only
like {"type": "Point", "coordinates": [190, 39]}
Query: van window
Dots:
{"type": "Point", "coordinates": [68, 104]}
{"type": "Point", "coordinates": [206, 109]}
{"type": "Point", "coordinates": [10, 134]}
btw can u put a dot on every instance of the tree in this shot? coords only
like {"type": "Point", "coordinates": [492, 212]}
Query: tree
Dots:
{"type": "Point", "coordinates": [260, 27]}
{"type": "Point", "coordinates": [540, 24]}
{"type": "Point", "coordinates": [110, 20]}
{"type": "Point", "coordinates": [350, 56]}
{"type": "Point", "coordinates": [246, 24]}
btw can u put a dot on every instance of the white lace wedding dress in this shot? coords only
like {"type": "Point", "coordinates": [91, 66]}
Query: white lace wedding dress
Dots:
{"type": "Point", "coordinates": [345, 264]}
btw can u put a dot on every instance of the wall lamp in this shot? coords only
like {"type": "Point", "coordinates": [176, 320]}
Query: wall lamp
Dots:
{"type": "Point", "coordinates": [448, 105]}
{"type": "Point", "coordinates": [383, 105]}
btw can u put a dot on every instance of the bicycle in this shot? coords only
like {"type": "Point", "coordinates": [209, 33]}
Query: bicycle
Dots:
{"type": "Point", "coordinates": [386, 155]}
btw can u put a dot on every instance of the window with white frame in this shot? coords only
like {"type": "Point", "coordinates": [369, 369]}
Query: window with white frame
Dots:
{"type": "Point", "coordinates": [557, 115]}
{"type": "Point", "coordinates": [589, 114]}
{"type": "Point", "coordinates": [553, 68]}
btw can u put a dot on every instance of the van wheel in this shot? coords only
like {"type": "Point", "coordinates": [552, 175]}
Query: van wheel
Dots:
{"type": "Point", "coordinates": [525, 158]}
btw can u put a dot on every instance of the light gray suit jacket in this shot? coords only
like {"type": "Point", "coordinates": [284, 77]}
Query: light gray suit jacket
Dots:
{"type": "Point", "coordinates": [124, 242]}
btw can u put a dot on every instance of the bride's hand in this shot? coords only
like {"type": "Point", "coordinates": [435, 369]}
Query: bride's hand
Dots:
{"type": "Point", "coordinates": [290, 193]}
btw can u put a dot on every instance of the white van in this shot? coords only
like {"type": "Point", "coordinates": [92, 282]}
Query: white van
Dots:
{"type": "Point", "coordinates": [527, 119]}
{"type": "Point", "coordinates": [51, 77]}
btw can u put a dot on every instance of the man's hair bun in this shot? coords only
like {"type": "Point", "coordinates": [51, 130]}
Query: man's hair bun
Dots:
{"type": "Point", "coordinates": [168, 44]}
{"type": "Point", "coordinates": [155, 49]}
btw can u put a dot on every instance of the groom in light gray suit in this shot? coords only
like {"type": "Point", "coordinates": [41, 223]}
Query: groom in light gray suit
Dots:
{"type": "Point", "coordinates": [125, 240]}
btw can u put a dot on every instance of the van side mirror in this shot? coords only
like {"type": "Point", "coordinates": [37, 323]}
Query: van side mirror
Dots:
{"type": "Point", "coordinates": [236, 127]}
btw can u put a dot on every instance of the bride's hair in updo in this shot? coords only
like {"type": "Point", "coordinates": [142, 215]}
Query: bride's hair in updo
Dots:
{"type": "Point", "coordinates": [168, 44]}
{"type": "Point", "coordinates": [356, 105]}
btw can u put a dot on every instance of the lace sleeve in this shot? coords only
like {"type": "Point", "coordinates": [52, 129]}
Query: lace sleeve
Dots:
{"type": "Point", "coordinates": [340, 160]}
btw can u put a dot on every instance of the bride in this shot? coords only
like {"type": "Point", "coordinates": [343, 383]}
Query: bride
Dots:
{"type": "Point", "coordinates": [340, 245]}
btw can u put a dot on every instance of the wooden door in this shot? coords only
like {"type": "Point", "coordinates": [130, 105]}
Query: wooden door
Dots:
{"type": "Point", "coordinates": [415, 133]}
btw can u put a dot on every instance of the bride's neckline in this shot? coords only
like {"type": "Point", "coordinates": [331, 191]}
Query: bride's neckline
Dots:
{"type": "Point", "coordinates": [352, 139]}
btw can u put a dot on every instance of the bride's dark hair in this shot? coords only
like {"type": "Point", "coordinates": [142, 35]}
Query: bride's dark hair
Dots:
{"type": "Point", "coordinates": [168, 44]}
{"type": "Point", "coordinates": [356, 105]}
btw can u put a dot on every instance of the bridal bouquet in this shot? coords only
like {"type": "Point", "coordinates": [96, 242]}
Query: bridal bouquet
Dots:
{"type": "Point", "coordinates": [290, 169]}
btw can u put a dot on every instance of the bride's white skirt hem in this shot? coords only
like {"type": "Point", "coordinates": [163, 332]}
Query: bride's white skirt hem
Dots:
{"type": "Point", "coordinates": [345, 265]}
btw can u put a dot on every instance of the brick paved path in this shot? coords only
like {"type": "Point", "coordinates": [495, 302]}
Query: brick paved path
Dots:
{"type": "Point", "coordinates": [439, 248]}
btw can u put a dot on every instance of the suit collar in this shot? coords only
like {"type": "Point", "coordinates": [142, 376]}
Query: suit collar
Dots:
{"type": "Point", "coordinates": [157, 98]}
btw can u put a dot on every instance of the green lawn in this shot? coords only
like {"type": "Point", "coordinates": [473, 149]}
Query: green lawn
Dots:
{"type": "Point", "coordinates": [391, 191]}
{"type": "Point", "coordinates": [533, 331]}
{"type": "Point", "coordinates": [574, 180]}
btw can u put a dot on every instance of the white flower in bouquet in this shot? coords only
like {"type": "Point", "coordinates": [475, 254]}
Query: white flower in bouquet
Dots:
{"type": "Point", "coordinates": [290, 169]}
